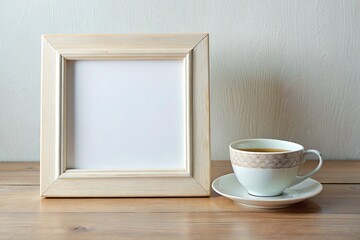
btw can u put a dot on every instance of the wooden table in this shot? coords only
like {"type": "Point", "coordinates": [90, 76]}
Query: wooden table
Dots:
{"type": "Point", "coordinates": [333, 214]}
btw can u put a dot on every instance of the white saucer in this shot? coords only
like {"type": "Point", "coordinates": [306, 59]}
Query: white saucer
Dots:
{"type": "Point", "coordinates": [229, 187]}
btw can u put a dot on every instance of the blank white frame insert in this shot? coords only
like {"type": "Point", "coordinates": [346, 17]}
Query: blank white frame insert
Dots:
{"type": "Point", "coordinates": [127, 115]}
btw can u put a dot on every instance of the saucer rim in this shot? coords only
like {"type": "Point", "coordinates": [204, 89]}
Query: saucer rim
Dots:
{"type": "Point", "coordinates": [265, 199]}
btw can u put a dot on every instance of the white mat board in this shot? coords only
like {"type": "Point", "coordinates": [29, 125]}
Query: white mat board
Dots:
{"type": "Point", "coordinates": [126, 114]}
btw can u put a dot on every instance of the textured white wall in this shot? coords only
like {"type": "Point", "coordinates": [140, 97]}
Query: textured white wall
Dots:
{"type": "Point", "coordinates": [280, 69]}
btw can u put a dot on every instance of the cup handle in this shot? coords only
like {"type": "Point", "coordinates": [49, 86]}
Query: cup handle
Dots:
{"type": "Point", "coordinates": [299, 179]}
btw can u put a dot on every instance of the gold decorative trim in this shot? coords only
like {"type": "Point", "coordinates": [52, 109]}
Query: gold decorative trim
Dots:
{"type": "Point", "coordinates": [267, 161]}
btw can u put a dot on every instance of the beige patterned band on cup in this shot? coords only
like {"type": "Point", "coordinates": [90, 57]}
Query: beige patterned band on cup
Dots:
{"type": "Point", "coordinates": [267, 161]}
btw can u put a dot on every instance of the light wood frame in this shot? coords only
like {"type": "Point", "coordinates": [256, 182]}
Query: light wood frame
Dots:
{"type": "Point", "coordinates": [57, 181]}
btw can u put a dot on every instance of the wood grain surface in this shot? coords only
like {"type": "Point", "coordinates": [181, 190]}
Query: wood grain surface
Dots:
{"type": "Point", "coordinates": [333, 214]}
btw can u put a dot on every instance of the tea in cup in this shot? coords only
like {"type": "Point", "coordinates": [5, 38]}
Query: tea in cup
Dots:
{"type": "Point", "coordinates": [266, 167]}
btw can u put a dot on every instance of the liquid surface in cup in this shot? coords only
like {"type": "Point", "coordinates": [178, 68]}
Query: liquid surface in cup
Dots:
{"type": "Point", "coordinates": [263, 150]}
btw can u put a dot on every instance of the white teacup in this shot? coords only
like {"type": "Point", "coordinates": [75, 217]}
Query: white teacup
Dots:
{"type": "Point", "coordinates": [266, 167]}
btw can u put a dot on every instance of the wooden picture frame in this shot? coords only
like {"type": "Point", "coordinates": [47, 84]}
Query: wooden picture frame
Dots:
{"type": "Point", "coordinates": [56, 180]}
